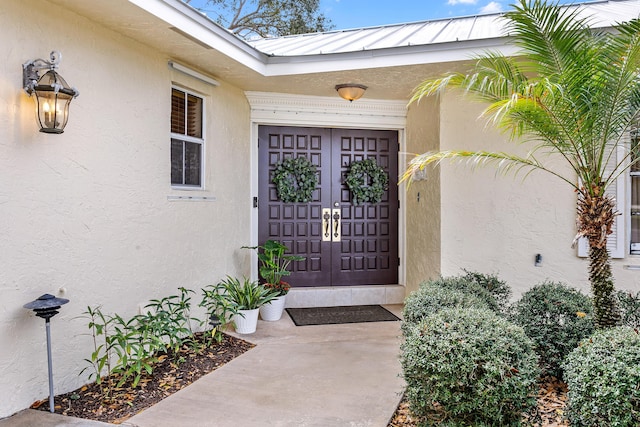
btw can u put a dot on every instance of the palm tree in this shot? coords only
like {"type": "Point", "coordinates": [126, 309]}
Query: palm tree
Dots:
{"type": "Point", "coordinates": [573, 92]}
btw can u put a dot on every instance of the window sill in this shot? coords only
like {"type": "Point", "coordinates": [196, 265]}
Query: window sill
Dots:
{"type": "Point", "coordinates": [175, 198]}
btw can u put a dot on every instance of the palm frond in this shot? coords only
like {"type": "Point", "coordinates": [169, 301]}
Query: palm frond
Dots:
{"type": "Point", "coordinates": [503, 162]}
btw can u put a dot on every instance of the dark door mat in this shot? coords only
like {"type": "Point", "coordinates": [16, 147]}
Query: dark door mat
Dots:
{"type": "Point", "coordinates": [336, 315]}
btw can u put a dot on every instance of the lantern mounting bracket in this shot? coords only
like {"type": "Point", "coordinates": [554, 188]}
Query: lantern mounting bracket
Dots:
{"type": "Point", "coordinates": [30, 72]}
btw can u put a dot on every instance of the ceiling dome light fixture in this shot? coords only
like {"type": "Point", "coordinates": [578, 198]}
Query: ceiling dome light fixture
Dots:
{"type": "Point", "coordinates": [351, 91]}
{"type": "Point", "coordinates": [53, 94]}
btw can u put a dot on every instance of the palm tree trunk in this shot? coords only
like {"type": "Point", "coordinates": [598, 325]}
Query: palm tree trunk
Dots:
{"type": "Point", "coordinates": [596, 216]}
{"type": "Point", "coordinates": [601, 279]}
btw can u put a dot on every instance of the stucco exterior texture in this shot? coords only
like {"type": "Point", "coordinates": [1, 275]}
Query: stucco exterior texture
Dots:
{"type": "Point", "coordinates": [87, 216]}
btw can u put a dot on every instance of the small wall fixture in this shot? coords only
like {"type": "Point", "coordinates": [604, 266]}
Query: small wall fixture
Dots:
{"type": "Point", "coordinates": [53, 94]}
{"type": "Point", "coordinates": [351, 91]}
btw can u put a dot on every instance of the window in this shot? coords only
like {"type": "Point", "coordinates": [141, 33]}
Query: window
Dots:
{"type": "Point", "coordinates": [186, 139]}
{"type": "Point", "coordinates": [634, 171]}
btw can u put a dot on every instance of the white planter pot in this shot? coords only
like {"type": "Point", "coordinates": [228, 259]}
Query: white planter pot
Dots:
{"type": "Point", "coordinates": [246, 321]}
{"type": "Point", "coordinates": [272, 311]}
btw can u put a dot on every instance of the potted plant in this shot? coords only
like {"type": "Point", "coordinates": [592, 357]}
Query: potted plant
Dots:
{"type": "Point", "coordinates": [245, 297]}
{"type": "Point", "coordinates": [274, 266]}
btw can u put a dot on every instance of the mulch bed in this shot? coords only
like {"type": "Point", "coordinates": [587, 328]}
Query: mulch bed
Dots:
{"type": "Point", "coordinates": [168, 377]}
{"type": "Point", "coordinates": [549, 413]}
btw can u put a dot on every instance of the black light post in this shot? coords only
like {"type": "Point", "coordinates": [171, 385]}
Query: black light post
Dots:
{"type": "Point", "coordinates": [46, 307]}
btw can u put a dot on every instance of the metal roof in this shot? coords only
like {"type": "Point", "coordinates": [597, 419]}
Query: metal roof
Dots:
{"type": "Point", "coordinates": [602, 13]}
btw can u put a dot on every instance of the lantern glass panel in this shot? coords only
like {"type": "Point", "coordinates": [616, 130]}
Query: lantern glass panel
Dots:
{"type": "Point", "coordinates": [53, 98]}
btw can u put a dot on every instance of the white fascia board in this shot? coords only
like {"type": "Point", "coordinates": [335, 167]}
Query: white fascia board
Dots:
{"type": "Point", "coordinates": [201, 28]}
{"type": "Point", "coordinates": [391, 57]}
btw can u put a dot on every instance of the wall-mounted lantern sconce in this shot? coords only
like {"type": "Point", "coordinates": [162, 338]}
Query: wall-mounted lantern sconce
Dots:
{"type": "Point", "coordinates": [53, 94]}
{"type": "Point", "coordinates": [46, 307]}
{"type": "Point", "coordinates": [351, 91]}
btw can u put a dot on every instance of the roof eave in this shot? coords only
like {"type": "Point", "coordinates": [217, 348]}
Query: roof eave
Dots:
{"type": "Point", "coordinates": [388, 57]}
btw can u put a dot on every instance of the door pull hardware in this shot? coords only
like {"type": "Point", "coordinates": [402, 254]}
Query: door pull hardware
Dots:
{"type": "Point", "coordinates": [326, 224]}
{"type": "Point", "coordinates": [336, 225]}
{"type": "Point", "coordinates": [255, 202]}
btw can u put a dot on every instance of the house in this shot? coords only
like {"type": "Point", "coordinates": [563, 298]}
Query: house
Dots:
{"type": "Point", "coordinates": [162, 173]}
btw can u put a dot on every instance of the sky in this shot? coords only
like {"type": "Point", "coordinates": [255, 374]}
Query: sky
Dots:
{"type": "Point", "coordinates": [346, 14]}
{"type": "Point", "coordinates": [366, 13]}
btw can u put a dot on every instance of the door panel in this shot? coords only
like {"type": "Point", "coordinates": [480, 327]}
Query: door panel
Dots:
{"type": "Point", "coordinates": [364, 248]}
{"type": "Point", "coordinates": [368, 250]}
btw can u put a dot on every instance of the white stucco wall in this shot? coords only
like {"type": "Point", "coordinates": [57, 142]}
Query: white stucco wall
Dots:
{"type": "Point", "coordinates": [85, 214]}
{"type": "Point", "coordinates": [423, 210]}
{"type": "Point", "coordinates": [497, 223]}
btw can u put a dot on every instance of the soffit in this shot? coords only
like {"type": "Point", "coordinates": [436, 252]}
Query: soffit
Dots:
{"type": "Point", "coordinates": [391, 67]}
{"type": "Point", "coordinates": [206, 47]}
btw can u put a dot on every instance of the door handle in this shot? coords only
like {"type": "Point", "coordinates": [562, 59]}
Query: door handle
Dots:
{"type": "Point", "coordinates": [336, 225]}
{"type": "Point", "coordinates": [326, 224]}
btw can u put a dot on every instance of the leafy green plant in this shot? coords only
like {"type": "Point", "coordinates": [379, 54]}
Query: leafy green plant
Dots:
{"type": "Point", "coordinates": [603, 374]}
{"type": "Point", "coordinates": [246, 295]}
{"type": "Point", "coordinates": [170, 319]}
{"type": "Point", "coordinates": [556, 317]}
{"type": "Point", "coordinates": [125, 350]}
{"type": "Point", "coordinates": [219, 308]}
{"type": "Point", "coordinates": [430, 298]}
{"type": "Point", "coordinates": [274, 264]}
{"type": "Point", "coordinates": [100, 359]}
{"type": "Point", "coordinates": [134, 355]}
{"type": "Point", "coordinates": [467, 366]}
{"type": "Point", "coordinates": [629, 305]}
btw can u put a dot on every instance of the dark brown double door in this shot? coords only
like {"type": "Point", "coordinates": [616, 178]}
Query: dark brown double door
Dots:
{"type": "Point", "coordinates": [343, 243]}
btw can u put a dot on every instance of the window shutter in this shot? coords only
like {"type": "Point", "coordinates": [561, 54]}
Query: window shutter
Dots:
{"type": "Point", "coordinates": [617, 239]}
{"type": "Point", "coordinates": [177, 111]}
{"type": "Point", "coordinates": [194, 116]}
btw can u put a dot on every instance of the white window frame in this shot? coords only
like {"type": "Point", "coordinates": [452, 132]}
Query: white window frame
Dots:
{"type": "Point", "coordinates": [187, 138]}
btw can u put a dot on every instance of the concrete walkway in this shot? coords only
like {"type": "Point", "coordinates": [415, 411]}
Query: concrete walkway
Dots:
{"type": "Point", "coordinates": [328, 376]}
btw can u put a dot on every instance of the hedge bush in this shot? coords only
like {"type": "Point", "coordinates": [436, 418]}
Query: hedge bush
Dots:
{"type": "Point", "coordinates": [431, 298]}
{"type": "Point", "coordinates": [556, 317]}
{"type": "Point", "coordinates": [629, 305]}
{"type": "Point", "coordinates": [491, 291]}
{"type": "Point", "coordinates": [469, 367]}
{"type": "Point", "coordinates": [603, 376]}
{"type": "Point", "coordinates": [498, 289]}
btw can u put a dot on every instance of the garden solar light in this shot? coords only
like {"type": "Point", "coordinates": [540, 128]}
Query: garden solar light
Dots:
{"type": "Point", "coordinates": [46, 307]}
{"type": "Point", "coordinates": [53, 94]}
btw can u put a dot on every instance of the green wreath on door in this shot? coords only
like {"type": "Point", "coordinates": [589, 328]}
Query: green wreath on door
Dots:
{"type": "Point", "coordinates": [295, 180]}
{"type": "Point", "coordinates": [367, 181]}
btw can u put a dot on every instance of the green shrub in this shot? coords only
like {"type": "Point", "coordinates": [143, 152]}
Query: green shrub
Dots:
{"type": "Point", "coordinates": [629, 305]}
{"type": "Point", "coordinates": [469, 285]}
{"type": "Point", "coordinates": [468, 366]}
{"type": "Point", "coordinates": [431, 298]}
{"type": "Point", "coordinates": [556, 317]}
{"type": "Point", "coordinates": [603, 376]}
{"type": "Point", "coordinates": [498, 289]}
